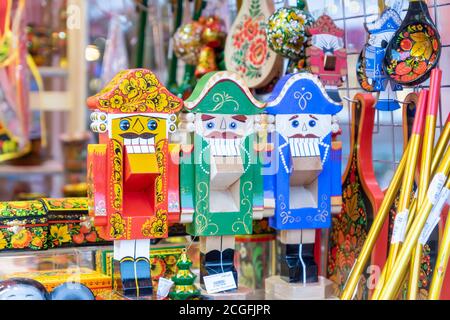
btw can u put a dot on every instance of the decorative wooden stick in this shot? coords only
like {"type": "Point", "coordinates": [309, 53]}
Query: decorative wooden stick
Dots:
{"type": "Point", "coordinates": [425, 172]}
{"type": "Point", "coordinates": [401, 218]}
{"type": "Point", "coordinates": [442, 258]}
{"type": "Point", "coordinates": [401, 264]}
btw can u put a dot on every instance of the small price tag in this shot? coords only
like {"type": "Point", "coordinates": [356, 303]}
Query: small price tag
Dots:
{"type": "Point", "coordinates": [219, 282]}
{"type": "Point", "coordinates": [164, 286]}
{"type": "Point", "coordinates": [435, 187]}
{"type": "Point", "coordinates": [434, 217]}
{"type": "Point", "coordinates": [400, 223]}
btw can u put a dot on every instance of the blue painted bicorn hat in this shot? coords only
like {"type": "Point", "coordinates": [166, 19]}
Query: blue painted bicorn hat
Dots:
{"type": "Point", "coordinates": [301, 93]}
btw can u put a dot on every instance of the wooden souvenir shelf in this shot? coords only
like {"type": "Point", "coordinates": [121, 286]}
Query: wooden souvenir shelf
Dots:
{"type": "Point", "coordinates": [48, 167]}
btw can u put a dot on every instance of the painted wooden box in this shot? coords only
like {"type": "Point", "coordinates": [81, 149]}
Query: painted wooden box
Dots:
{"type": "Point", "coordinates": [23, 226]}
{"type": "Point", "coordinates": [162, 260]}
{"type": "Point", "coordinates": [68, 224]}
{"type": "Point", "coordinates": [50, 279]}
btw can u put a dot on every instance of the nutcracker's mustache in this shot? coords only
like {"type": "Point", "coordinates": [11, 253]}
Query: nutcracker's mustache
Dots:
{"type": "Point", "coordinates": [132, 135]}
{"type": "Point", "coordinates": [299, 135]}
{"type": "Point", "coordinates": [223, 135]}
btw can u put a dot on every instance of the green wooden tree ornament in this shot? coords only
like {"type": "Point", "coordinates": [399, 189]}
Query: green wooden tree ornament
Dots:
{"type": "Point", "coordinates": [184, 279]}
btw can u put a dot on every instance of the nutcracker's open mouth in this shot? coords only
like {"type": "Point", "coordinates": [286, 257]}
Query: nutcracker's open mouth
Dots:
{"type": "Point", "coordinates": [304, 147]}
{"type": "Point", "coordinates": [225, 147]}
{"type": "Point", "coordinates": [135, 143]}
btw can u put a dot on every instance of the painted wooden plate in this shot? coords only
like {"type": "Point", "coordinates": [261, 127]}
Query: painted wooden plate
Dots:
{"type": "Point", "coordinates": [246, 48]}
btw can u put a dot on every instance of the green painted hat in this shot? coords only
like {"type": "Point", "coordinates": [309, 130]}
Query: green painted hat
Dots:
{"type": "Point", "coordinates": [223, 92]}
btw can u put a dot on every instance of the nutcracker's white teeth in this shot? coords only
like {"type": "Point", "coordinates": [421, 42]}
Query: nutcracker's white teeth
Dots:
{"type": "Point", "coordinates": [225, 147]}
{"type": "Point", "coordinates": [304, 147]}
{"type": "Point", "coordinates": [139, 145]}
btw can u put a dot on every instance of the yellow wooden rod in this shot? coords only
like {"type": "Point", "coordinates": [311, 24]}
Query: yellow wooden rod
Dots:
{"type": "Point", "coordinates": [425, 172]}
{"type": "Point", "coordinates": [401, 217]}
{"type": "Point", "coordinates": [379, 286]}
{"type": "Point", "coordinates": [377, 225]}
{"type": "Point", "coordinates": [442, 143]}
{"type": "Point", "coordinates": [401, 264]}
{"type": "Point", "coordinates": [441, 261]}
{"type": "Point", "coordinates": [438, 152]}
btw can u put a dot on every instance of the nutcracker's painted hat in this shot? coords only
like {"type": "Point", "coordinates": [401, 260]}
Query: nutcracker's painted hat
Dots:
{"type": "Point", "coordinates": [301, 93]}
{"type": "Point", "coordinates": [389, 20]}
{"type": "Point", "coordinates": [223, 92]}
{"type": "Point", "coordinates": [135, 91]}
{"type": "Point", "coordinates": [325, 25]}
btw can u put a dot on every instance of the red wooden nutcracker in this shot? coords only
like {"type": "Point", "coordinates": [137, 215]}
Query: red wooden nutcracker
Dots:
{"type": "Point", "coordinates": [326, 54]}
{"type": "Point", "coordinates": [132, 171]}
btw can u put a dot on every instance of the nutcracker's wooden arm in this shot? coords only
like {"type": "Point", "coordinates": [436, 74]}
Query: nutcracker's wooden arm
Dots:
{"type": "Point", "coordinates": [97, 186]}
{"type": "Point", "coordinates": [258, 184]}
{"type": "Point", "coordinates": [336, 183]}
{"type": "Point", "coordinates": [173, 184]}
{"type": "Point", "coordinates": [187, 183]}
{"type": "Point", "coordinates": [269, 180]}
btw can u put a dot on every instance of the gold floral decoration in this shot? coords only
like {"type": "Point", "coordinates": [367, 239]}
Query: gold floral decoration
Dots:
{"type": "Point", "coordinates": [60, 233]}
{"type": "Point", "coordinates": [117, 226]}
{"type": "Point", "coordinates": [140, 91]}
{"type": "Point", "coordinates": [156, 226]}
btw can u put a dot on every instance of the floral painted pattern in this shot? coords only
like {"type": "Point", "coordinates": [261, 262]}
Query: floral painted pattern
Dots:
{"type": "Point", "coordinates": [117, 226]}
{"type": "Point", "coordinates": [140, 91]}
{"type": "Point", "coordinates": [286, 32]}
{"type": "Point", "coordinates": [29, 237]}
{"type": "Point", "coordinates": [24, 225]}
{"type": "Point", "coordinates": [413, 52]}
{"type": "Point", "coordinates": [348, 233]}
{"type": "Point", "coordinates": [73, 234]}
{"type": "Point", "coordinates": [250, 50]}
{"type": "Point", "coordinates": [156, 226]}
{"type": "Point", "coordinates": [21, 209]}
{"type": "Point", "coordinates": [66, 204]}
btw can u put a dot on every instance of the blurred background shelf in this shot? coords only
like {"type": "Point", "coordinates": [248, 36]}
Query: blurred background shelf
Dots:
{"type": "Point", "coordinates": [48, 167]}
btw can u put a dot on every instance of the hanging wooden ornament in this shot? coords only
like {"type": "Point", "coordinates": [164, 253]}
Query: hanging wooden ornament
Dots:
{"type": "Point", "coordinates": [415, 48]}
{"type": "Point", "coordinates": [380, 33]}
{"type": "Point", "coordinates": [326, 54]}
{"type": "Point", "coordinates": [286, 34]}
{"type": "Point", "coordinates": [246, 48]}
{"type": "Point", "coordinates": [187, 42]}
{"type": "Point", "coordinates": [213, 39]}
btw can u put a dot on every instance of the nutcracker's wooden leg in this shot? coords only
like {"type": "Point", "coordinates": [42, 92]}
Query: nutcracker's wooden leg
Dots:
{"type": "Point", "coordinates": [124, 259]}
{"type": "Point", "coordinates": [297, 256]}
{"type": "Point", "coordinates": [134, 264]}
{"type": "Point", "coordinates": [217, 256]}
{"type": "Point", "coordinates": [142, 266]}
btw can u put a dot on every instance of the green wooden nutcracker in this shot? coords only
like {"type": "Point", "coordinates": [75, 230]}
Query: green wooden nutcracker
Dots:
{"type": "Point", "coordinates": [220, 170]}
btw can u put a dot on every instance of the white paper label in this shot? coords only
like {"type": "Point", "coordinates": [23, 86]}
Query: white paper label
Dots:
{"type": "Point", "coordinates": [434, 217]}
{"type": "Point", "coordinates": [219, 282]}
{"type": "Point", "coordinates": [164, 286]}
{"type": "Point", "coordinates": [400, 223]}
{"type": "Point", "coordinates": [435, 187]}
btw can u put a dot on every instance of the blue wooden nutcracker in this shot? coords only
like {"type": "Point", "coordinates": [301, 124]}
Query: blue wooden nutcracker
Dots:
{"type": "Point", "coordinates": [381, 32]}
{"type": "Point", "coordinates": [302, 171]}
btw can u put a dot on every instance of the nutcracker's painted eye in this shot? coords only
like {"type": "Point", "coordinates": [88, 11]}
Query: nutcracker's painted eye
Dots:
{"type": "Point", "coordinates": [295, 123]}
{"type": "Point", "coordinates": [210, 125]}
{"type": "Point", "coordinates": [233, 125]}
{"type": "Point", "coordinates": [152, 125]}
{"type": "Point", "coordinates": [312, 123]}
{"type": "Point", "coordinates": [124, 125]}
